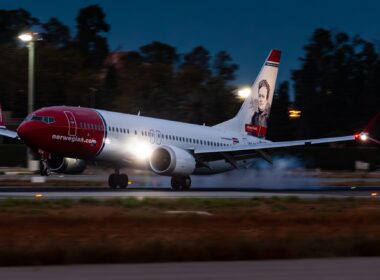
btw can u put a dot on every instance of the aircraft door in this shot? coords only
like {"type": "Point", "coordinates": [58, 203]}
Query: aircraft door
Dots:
{"type": "Point", "coordinates": [152, 136]}
{"type": "Point", "coordinates": [72, 123]}
{"type": "Point", "coordinates": [158, 137]}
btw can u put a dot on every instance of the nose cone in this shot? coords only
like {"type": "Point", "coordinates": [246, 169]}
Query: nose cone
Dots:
{"type": "Point", "coordinates": [24, 131]}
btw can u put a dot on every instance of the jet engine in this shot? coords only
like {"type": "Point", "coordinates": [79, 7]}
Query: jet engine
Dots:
{"type": "Point", "coordinates": [66, 165]}
{"type": "Point", "coordinates": [170, 160]}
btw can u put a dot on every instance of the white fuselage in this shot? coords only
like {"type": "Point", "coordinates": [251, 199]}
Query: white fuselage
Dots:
{"type": "Point", "coordinates": [124, 130]}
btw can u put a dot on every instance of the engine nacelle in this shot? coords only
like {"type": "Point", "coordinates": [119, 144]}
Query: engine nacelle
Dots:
{"type": "Point", "coordinates": [169, 160]}
{"type": "Point", "coordinates": [66, 165]}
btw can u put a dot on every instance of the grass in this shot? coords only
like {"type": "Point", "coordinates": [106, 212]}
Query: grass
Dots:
{"type": "Point", "coordinates": [37, 232]}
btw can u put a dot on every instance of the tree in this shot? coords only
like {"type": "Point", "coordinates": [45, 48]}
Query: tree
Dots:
{"type": "Point", "coordinates": [224, 69]}
{"type": "Point", "coordinates": [56, 33]}
{"type": "Point", "coordinates": [280, 127]}
{"type": "Point", "coordinates": [89, 39]}
{"type": "Point", "coordinates": [14, 22]}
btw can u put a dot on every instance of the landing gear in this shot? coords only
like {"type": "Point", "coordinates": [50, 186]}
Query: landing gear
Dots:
{"type": "Point", "coordinates": [181, 183]}
{"type": "Point", "coordinates": [118, 180]}
{"type": "Point", "coordinates": [44, 168]}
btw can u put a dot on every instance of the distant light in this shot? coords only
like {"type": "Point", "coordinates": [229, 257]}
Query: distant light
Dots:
{"type": "Point", "coordinates": [294, 114]}
{"type": "Point", "coordinates": [26, 37]}
{"type": "Point", "coordinates": [243, 93]}
{"type": "Point", "coordinates": [38, 195]}
{"type": "Point", "coordinates": [374, 194]}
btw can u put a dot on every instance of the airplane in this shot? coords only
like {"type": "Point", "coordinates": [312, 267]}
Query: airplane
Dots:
{"type": "Point", "coordinates": [66, 138]}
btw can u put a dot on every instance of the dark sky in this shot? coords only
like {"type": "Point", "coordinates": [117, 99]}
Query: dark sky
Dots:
{"type": "Point", "coordinates": [245, 29]}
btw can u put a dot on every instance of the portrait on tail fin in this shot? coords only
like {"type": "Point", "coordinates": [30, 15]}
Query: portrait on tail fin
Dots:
{"type": "Point", "coordinates": [261, 108]}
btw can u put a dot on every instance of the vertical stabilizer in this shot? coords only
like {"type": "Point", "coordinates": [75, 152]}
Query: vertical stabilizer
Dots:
{"type": "Point", "coordinates": [252, 118]}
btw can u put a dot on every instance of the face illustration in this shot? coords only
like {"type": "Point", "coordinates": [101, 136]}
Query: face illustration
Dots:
{"type": "Point", "coordinates": [262, 98]}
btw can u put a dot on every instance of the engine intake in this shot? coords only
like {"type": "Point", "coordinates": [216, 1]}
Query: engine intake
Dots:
{"type": "Point", "coordinates": [66, 165]}
{"type": "Point", "coordinates": [169, 160]}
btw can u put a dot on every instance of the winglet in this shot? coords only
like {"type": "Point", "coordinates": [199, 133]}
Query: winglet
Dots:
{"type": "Point", "coordinates": [2, 124]}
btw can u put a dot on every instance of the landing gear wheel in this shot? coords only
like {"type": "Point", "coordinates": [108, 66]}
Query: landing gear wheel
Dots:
{"type": "Point", "coordinates": [181, 183]}
{"type": "Point", "coordinates": [44, 168]}
{"type": "Point", "coordinates": [123, 181]}
{"type": "Point", "coordinates": [112, 181]}
{"type": "Point", "coordinates": [175, 183]}
{"type": "Point", "coordinates": [118, 180]}
{"type": "Point", "coordinates": [186, 183]}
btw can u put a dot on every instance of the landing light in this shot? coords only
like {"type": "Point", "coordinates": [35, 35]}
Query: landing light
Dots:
{"type": "Point", "coordinates": [140, 150]}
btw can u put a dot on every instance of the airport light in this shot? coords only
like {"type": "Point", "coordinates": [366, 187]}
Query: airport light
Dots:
{"type": "Point", "coordinates": [30, 39]}
{"type": "Point", "coordinates": [26, 37]}
{"type": "Point", "coordinates": [243, 93]}
{"type": "Point", "coordinates": [294, 114]}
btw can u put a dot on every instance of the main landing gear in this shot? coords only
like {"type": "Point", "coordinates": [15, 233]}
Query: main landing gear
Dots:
{"type": "Point", "coordinates": [181, 183]}
{"type": "Point", "coordinates": [118, 180]}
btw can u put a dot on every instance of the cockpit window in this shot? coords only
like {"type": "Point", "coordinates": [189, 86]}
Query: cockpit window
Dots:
{"type": "Point", "coordinates": [44, 119]}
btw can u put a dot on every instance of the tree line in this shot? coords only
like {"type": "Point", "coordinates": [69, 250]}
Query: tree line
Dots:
{"type": "Point", "coordinates": [336, 86]}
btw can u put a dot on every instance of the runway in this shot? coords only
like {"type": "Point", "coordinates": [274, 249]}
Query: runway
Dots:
{"type": "Point", "coordinates": [51, 192]}
{"type": "Point", "coordinates": [347, 268]}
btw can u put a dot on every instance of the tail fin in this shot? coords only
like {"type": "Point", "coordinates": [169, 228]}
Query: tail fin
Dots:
{"type": "Point", "coordinates": [253, 115]}
{"type": "Point", "coordinates": [2, 124]}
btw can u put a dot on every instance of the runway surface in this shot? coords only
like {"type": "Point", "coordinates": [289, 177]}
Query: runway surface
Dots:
{"type": "Point", "coordinates": [50, 192]}
{"type": "Point", "coordinates": [236, 184]}
{"type": "Point", "coordinates": [311, 269]}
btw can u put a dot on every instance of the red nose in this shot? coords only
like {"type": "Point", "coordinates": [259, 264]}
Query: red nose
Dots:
{"type": "Point", "coordinates": [24, 131]}
{"type": "Point", "coordinates": [30, 133]}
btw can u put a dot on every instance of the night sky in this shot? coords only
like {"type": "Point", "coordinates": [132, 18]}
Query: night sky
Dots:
{"type": "Point", "coordinates": [245, 29]}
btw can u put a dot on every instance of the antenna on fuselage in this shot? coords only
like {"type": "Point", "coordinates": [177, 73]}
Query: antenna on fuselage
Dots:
{"type": "Point", "coordinates": [138, 113]}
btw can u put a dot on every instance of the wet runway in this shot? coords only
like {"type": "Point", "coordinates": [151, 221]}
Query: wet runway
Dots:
{"type": "Point", "coordinates": [248, 183]}
{"type": "Point", "coordinates": [51, 192]}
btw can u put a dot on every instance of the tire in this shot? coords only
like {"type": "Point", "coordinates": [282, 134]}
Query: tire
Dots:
{"type": "Point", "coordinates": [47, 172]}
{"type": "Point", "coordinates": [175, 183]}
{"type": "Point", "coordinates": [123, 181]}
{"type": "Point", "coordinates": [112, 181]}
{"type": "Point", "coordinates": [186, 183]}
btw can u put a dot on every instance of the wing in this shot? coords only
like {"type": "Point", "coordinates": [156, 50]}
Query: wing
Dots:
{"type": "Point", "coordinates": [272, 145]}
{"type": "Point", "coordinates": [8, 133]}
{"type": "Point", "coordinates": [234, 153]}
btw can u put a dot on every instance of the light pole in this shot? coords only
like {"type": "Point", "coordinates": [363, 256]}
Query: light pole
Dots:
{"type": "Point", "coordinates": [30, 38]}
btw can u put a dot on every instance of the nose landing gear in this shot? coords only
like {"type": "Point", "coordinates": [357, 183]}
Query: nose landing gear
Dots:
{"type": "Point", "coordinates": [44, 168]}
